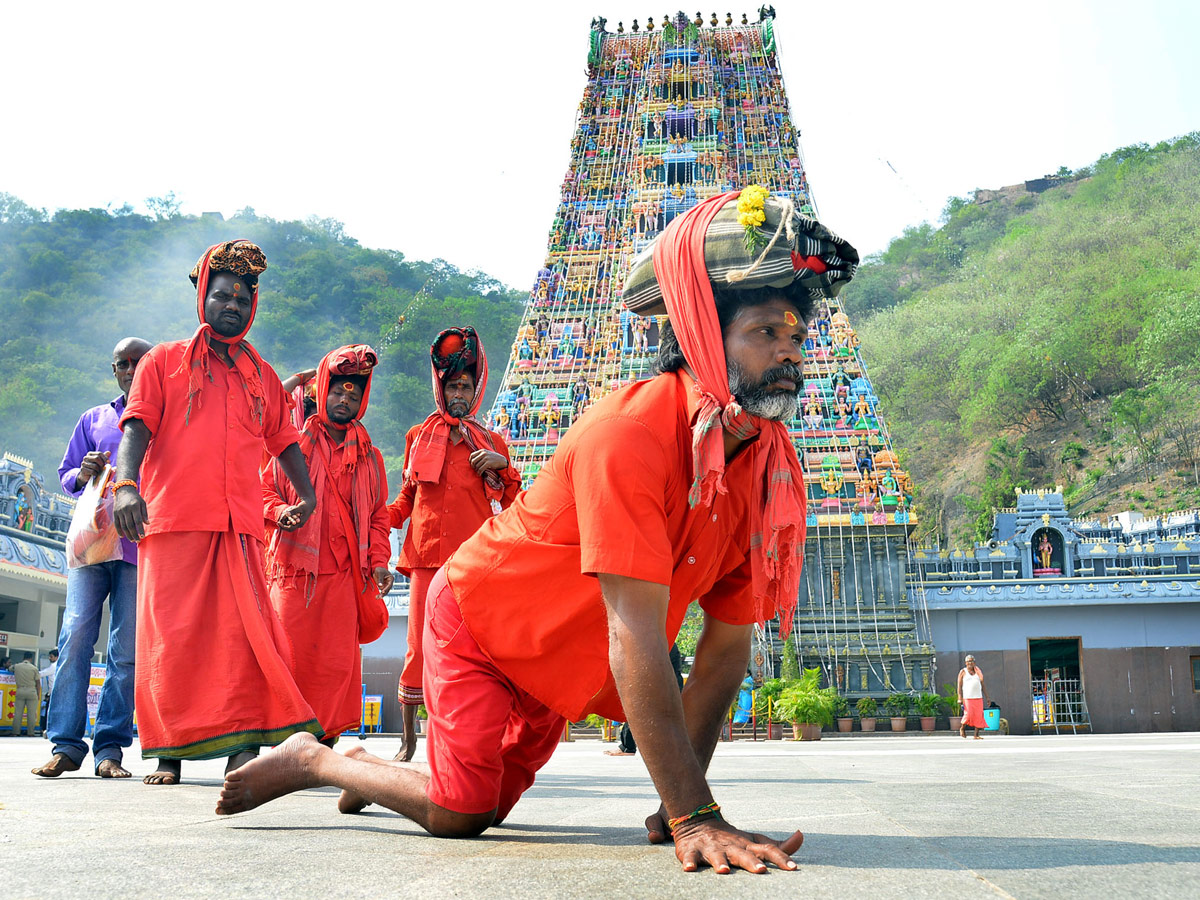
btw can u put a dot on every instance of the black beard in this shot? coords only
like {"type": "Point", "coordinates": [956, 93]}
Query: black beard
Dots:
{"type": "Point", "coordinates": [757, 399]}
{"type": "Point", "coordinates": [226, 329]}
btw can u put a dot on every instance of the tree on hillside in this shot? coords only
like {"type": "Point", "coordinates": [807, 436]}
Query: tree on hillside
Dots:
{"type": "Point", "coordinates": [164, 207]}
{"type": "Point", "coordinates": [1140, 412]}
{"type": "Point", "coordinates": [1181, 426]}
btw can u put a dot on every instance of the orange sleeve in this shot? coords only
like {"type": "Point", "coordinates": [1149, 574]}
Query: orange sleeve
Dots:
{"type": "Point", "coordinates": [401, 508]}
{"type": "Point", "coordinates": [618, 473]}
{"type": "Point", "coordinates": [278, 431]}
{"type": "Point", "coordinates": [379, 545]}
{"type": "Point", "coordinates": [147, 399]}
{"type": "Point", "coordinates": [273, 502]}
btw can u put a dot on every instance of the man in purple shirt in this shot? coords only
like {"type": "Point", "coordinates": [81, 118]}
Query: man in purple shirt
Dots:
{"type": "Point", "coordinates": [92, 445]}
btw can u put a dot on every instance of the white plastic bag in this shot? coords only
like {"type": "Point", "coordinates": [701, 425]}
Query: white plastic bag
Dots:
{"type": "Point", "coordinates": [92, 537]}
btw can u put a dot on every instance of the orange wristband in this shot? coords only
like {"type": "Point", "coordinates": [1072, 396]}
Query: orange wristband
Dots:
{"type": "Point", "coordinates": [128, 482]}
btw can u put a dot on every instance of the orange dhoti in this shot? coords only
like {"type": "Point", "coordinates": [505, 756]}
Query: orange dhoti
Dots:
{"type": "Point", "coordinates": [411, 690]}
{"type": "Point", "coordinates": [973, 713]}
{"type": "Point", "coordinates": [212, 672]}
{"type": "Point", "coordinates": [321, 620]}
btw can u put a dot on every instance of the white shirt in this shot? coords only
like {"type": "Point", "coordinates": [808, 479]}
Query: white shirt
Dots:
{"type": "Point", "coordinates": [972, 685]}
{"type": "Point", "coordinates": [48, 673]}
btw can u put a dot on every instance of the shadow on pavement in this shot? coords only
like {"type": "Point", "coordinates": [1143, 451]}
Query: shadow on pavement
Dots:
{"type": "Point", "coordinates": [873, 851]}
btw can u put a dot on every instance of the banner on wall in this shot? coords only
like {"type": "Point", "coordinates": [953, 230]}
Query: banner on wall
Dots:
{"type": "Point", "coordinates": [8, 697]}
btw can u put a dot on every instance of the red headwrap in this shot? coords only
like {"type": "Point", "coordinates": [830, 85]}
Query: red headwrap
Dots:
{"type": "Point", "coordinates": [454, 351]}
{"type": "Point", "coordinates": [195, 361]}
{"type": "Point", "coordinates": [777, 539]}
{"type": "Point", "coordinates": [299, 550]}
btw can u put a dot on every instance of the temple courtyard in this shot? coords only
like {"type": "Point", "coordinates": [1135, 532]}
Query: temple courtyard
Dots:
{"type": "Point", "coordinates": [884, 816]}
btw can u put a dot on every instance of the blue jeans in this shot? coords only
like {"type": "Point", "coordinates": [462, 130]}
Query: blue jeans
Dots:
{"type": "Point", "coordinates": [87, 588]}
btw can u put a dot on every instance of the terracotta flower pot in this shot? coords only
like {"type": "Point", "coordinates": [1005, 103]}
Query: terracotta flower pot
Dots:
{"type": "Point", "coordinates": [845, 725]}
{"type": "Point", "coordinates": [927, 722]}
{"type": "Point", "coordinates": [868, 723]}
{"type": "Point", "coordinates": [899, 723]}
{"type": "Point", "coordinates": [809, 731]}
{"type": "Point", "coordinates": [955, 722]}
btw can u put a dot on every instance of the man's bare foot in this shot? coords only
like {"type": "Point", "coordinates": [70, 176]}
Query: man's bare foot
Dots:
{"type": "Point", "coordinates": [167, 772]}
{"type": "Point", "coordinates": [618, 753]}
{"type": "Point", "coordinates": [239, 759]}
{"type": "Point", "coordinates": [350, 802]}
{"type": "Point", "coordinates": [287, 769]}
{"type": "Point", "coordinates": [58, 764]}
{"type": "Point", "coordinates": [110, 768]}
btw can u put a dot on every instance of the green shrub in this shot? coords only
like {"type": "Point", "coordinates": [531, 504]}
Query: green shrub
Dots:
{"type": "Point", "coordinates": [897, 705]}
{"type": "Point", "coordinates": [866, 707]}
{"type": "Point", "coordinates": [806, 701]}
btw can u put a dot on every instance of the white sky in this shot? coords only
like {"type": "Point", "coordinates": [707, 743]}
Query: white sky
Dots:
{"type": "Point", "coordinates": [443, 130]}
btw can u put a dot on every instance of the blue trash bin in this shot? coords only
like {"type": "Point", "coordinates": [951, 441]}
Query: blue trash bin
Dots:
{"type": "Point", "coordinates": [991, 719]}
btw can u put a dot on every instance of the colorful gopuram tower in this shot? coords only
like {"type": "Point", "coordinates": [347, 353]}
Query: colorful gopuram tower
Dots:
{"type": "Point", "coordinates": [674, 113]}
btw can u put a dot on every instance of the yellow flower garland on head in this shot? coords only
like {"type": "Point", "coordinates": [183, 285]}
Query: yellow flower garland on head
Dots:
{"type": "Point", "coordinates": [751, 214]}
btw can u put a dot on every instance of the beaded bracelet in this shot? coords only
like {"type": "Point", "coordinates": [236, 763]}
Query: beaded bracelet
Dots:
{"type": "Point", "coordinates": [709, 809]}
{"type": "Point", "coordinates": [128, 482]}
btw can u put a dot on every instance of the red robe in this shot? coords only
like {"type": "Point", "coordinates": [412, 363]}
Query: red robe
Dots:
{"type": "Point", "coordinates": [212, 665]}
{"type": "Point", "coordinates": [320, 612]}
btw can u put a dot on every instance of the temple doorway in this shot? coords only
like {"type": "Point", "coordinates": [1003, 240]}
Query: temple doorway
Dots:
{"type": "Point", "coordinates": [1056, 686]}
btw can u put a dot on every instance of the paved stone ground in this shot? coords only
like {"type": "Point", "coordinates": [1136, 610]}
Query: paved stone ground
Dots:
{"type": "Point", "coordinates": [886, 816]}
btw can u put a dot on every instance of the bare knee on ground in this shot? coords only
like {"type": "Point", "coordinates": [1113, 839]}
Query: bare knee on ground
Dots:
{"type": "Point", "coordinates": [448, 824]}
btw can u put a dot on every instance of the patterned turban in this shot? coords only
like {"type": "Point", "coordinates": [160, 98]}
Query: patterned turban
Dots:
{"type": "Point", "coordinates": [239, 257]}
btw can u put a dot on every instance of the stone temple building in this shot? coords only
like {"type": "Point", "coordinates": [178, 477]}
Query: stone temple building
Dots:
{"type": "Point", "coordinates": [1077, 624]}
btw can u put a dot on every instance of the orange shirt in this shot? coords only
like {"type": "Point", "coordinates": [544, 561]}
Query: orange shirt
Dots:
{"type": "Point", "coordinates": [612, 499]}
{"type": "Point", "coordinates": [447, 512]}
{"type": "Point", "coordinates": [203, 475]}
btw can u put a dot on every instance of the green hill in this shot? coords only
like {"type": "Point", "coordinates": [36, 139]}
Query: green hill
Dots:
{"type": "Point", "coordinates": [1043, 338]}
{"type": "Point", "coordinates": [74, 283]}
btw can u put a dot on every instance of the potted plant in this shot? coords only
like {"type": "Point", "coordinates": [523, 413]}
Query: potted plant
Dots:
{"type": "Point", "coordinates": [927, 706]}
{"type": "Point", "coordinates": [806, 705]}
{"type": "Point", "coordinates": [764, 705]}
{"type": "Point", "coordinates": [841, 710]}
{"type": "Point", "coordinates": [897, 707]}
{"type": "Point", "coordinates": [953, 707]}
{"type": "Point", "coordinates": [867, 707]}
